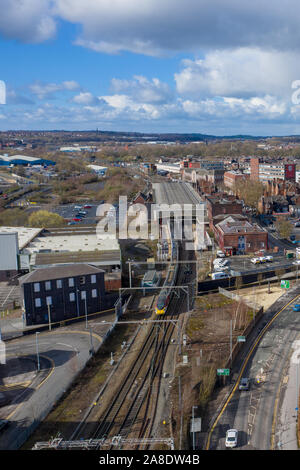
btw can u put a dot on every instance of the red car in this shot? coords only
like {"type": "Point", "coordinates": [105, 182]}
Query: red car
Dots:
{"type": "Point", "coordinates": [87, 207]}
{"type": "Point", "coordinates": [77, 220]}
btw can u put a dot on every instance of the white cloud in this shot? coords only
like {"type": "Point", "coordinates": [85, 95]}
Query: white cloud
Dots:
{"type": "Point", "coordinates": [46, 90]}
{"type": "Point", "coordinates": [27, 20]}
{"type": "Point", "coordinates": [242, 72]}
{"type": "Point", "coordinates": [85, 98]}
{"type": "Point", "coordinates": [141, 89]}
{"type": "Point", "coordinates": [156, 27]}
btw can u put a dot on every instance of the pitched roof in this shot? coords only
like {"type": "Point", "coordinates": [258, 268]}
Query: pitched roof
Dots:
{"type": "Point", "coordinates": [58, 272]}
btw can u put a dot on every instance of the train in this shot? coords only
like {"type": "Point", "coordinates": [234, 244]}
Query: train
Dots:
{"type": "Point", "coordinates": [167, 291]}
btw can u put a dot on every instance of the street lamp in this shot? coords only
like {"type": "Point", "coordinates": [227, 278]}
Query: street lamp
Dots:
{"type": "Point", "coordinates": [37, 350]}
{"type": "Point", "coordinates": [193, 425]}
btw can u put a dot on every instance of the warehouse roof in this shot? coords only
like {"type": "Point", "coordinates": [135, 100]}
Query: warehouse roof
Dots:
{"type": "Point", "coordinates": [25, 235]}
{"type": "Point", "coordinates": [72, 242]}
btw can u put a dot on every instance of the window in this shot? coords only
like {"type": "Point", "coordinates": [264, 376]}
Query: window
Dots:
{"type": "Point", "coordinates": [72, 297]}
{"type": "Point", "coordinates": [83, 295]}
{"type": "Point", "coordinates": [59, 284]}
{"type": "Point", "coordinates": [48, 285]}
{"type": "Point", "coordinates": [49, 300]}
{"type": "Point", "coordinates": [71, 282]}
{"type": "Point", "coordinates": [36, 287]}
{"type": "Point", "coordinates": [38, 302]}
{"type": "Point", "coordinates": [94, 293]}
{"type": "Point", "coordinates": [93, 278]}
{"type": "Point", "coordinates": [82, 280]}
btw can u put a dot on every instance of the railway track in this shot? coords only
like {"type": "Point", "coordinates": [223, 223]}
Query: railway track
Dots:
{"type": "Point", "coordinates": [114, 421]}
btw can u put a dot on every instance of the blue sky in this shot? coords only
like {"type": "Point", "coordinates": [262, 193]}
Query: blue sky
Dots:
{"type": "Point", "coordinates": [211, 66]}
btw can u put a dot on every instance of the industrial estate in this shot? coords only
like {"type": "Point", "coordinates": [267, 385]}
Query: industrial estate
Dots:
{"type": "Point", "coordinates": [157, 342]}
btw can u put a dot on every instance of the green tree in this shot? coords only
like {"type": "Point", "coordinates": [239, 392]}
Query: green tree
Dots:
{"type": "Point", "coordinates": [45, 219]}
{"type": "Point", "coordinates": [284, 227]}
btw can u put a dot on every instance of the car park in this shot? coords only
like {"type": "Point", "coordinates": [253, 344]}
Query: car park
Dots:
{"type": "Point", "coordinates": [244, 384]}
{"type": "Point", "coordinates": [231, 438]}
{"type": "Point", "coordinates": [296, 308]}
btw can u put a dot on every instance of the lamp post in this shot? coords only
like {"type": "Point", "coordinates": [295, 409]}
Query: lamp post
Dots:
{"type": "Point", "coordinates": [37, 351]}
{"type": "Point", "coordinates": [86, 317]}
{"type": "Point", "coordinates": [49, 315]}
{"type": "Point", "coordinates": [193, 424]}
{"type": "Point", "coordinates": [77, 290]}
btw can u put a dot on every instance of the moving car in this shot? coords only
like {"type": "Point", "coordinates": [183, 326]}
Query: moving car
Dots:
{"type": "Point", "coordinates": [296, 308]}
{"type": "Point", "coordinates": [244, 384]}
{"type": "Point", "coordinates": [231, 438]}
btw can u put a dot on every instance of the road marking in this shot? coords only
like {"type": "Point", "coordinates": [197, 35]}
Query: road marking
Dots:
{"type": "Point", "coordinates": [250, 352]}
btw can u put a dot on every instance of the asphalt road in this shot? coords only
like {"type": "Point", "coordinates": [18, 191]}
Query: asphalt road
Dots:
{"type": "Point", "coordinates": [253, 412]}
{"type": "Point", "coordinates": [62, 356]}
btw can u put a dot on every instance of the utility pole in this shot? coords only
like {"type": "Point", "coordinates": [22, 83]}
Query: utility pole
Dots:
{"type": "Point", "coordinates": [86, 317]}
{"type": "Point", "coordinates": [230, 342]}
{"type": "Point", "coordinates": [193, 425]}
{"type": "Point", "coordinates": [49, 315]}
{"type": "Point", "coordinates": [37, 351]}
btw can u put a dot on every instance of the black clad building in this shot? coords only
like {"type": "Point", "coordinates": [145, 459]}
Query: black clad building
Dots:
{"type": "Point", "coordinates": [65, 291]}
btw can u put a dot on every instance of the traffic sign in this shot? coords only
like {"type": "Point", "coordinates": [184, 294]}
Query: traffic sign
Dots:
{"type": "Point", "coordinates": [223, 371]}
{"type": "Point", "coordinates": [241, 339]}
{"type": "Point", "coordinates": [285, 284]}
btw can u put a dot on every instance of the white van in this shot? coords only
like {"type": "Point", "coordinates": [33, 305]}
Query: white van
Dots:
{"type": "Point", "coordinates": [219, 275]}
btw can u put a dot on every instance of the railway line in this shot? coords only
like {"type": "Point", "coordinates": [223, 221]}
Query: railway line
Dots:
{"type": "Point", "coordinates": [132, 410]}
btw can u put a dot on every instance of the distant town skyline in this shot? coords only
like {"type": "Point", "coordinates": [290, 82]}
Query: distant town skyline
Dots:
{"type": "Point", "coordinates": [211, 67]}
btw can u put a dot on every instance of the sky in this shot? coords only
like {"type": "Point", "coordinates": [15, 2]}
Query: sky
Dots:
{"type": "Point", "coordinates": [220, 67]}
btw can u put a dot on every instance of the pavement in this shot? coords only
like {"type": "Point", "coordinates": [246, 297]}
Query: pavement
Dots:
{"type": "Point", "coordinates": [254, 413]}
{"type": "Point", "coordinates": [27, 394]}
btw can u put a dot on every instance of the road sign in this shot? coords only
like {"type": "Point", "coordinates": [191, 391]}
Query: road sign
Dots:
{"type": "Point", "coordinates": [285, 284]}
{"type": "Point", "coordinates": [223, 371]}
{"type": "Point", "coordinates": [241, 339]}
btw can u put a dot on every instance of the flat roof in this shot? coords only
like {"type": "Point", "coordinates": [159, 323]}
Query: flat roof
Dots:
{"type": "Point", "coordinates": [25, 234]}
{"type": "Point", "coordinates": [71, 243]}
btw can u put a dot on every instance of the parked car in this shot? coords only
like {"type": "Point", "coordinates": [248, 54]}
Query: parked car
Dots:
{"type": "Point", "coordinates": [220, 254]}
{"type": "Point", "coordinates": [76, 219]}
{"type": "Point", "coordinates": [296, 308]}
{"type": "Point", "coordinates": [262, 259]}
{"type": "Point", "coordinates": [231, 438]}
{"type": "Point", "coordinates": [244, 384]}
{"type": "Point", "coordinates": [72, 222]}
{"type": "Point", "coordinates": [255, 260]}
{"type": "Point", "coordinates": [219, 275]}
{"type": "Point", "coordinates": [297, 262]}
{"type": "Point", "coordinates": [269, 258]}
{"type": "Point", "coordinates": [87, 206]}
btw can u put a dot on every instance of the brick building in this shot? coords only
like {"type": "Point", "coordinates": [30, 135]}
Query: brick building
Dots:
{"type": "Point", "coordinates": [222, 205]}
{"type": "Point", "coordinates": [231, 178]}
{"type": "Point", "coordinates": [240, 236]}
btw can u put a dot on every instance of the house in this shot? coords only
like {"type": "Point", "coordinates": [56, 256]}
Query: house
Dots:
{"type": "Point", "coordinates": [240, 236]}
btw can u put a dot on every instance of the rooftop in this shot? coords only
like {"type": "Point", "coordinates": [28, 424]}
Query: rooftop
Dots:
{"type": "Point", "coordinates": [176, 193]}
{"type": "Point", "coordinates": [232, 225]}
{"type": "Point", "coordinates": [58, 272]}
{"type": "Point", "coordinates": [25, 235]}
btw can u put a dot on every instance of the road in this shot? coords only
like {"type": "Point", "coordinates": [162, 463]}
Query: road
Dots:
{"type": "Point", "coordinates": [265, 415]}
{"type": "Point", "coordinates": [62, 355]}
